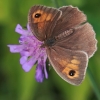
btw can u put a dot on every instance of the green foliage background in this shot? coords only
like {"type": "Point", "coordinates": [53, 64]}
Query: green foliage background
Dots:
{"type": "Point", "coordinates": [15, 84]}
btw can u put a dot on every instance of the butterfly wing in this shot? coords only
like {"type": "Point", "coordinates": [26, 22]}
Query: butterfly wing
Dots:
{"type": "Point", "coordinates": [70, 65]}
{"type": "Point", "coordinates": [71, 17]}
{"type": "Point", "coordinates": [82, 38]}
{"type": "Point", "coordinates": [42, 20]}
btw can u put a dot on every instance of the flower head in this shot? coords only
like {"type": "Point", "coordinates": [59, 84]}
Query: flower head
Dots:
{"type": "Point", "coordinates": [31, 52]}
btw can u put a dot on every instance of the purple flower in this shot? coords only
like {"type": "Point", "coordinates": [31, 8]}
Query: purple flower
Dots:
{"type": "Point", "coordinates": [31, 53]}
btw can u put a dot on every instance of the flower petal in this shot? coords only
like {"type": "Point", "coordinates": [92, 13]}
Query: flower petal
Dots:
{"type": "Point", "coordinates": [39, 75]}
{"type": "Point", "coordinates": [23, 60]}
{"type": "Point", "coordinates": [26, 53]}
{"type": "Point", "coordinates": [29, 63]}
{"type": "Point", "coordinates": [28, 27]}
{"type": "Point", "coordinates": [15, 48]}
{"type": "Point", "coordinates": [18, 29]}
{"type": "Point", "coordinates": [21, 31]}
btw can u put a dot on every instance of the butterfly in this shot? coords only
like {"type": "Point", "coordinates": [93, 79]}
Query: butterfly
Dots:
{"type": "Point", "coordinates": [68, 38]}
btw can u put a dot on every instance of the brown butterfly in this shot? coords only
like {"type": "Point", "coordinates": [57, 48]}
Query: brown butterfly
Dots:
{"type": "Point", "coordinates": [69, 40]}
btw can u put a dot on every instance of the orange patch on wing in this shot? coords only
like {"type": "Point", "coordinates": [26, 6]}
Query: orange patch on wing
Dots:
{"type": "Point", "coordinates": [49, 17]}
{"type": "Point", "coordinates": [67, 70]}
{"type": "Point", "coordinates": [44, 16]}
{"type": "Point", "coordinates": [63, 63]}
{"type": "Point", "coordinates": [68, 65]}
{"type": "Point", "coordinates": [73, 66]}
{"type": "Point", "coordinates": [36, 20]}
{"type": "Point", "coordinates": [41, 26]}
{"type": "Point", "coordinates": [74, 61]}
{"type": "Point", "coordinates": [74, 57]}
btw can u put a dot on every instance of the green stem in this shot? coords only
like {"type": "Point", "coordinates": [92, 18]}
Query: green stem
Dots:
{"type": "Point", "coordinates": [93, 83]}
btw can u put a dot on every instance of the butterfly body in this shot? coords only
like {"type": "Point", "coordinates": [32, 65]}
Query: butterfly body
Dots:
{"type": "Point", "coordinates": [50, 42]}
{"type": "Point", "coordinates": [69, 40]}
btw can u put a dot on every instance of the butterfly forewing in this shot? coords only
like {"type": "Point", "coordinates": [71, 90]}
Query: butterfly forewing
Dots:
{"type": "Point", "coordinates": [42, 20]}
{"type": "Point", "coordinates": [70, 65]}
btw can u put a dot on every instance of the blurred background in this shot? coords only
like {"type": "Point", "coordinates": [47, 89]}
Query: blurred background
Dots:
{"type": "Point", "coordinates": [15, 84]}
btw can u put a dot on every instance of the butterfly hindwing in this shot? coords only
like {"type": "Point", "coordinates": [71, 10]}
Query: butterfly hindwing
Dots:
{"type": "Point", "coordinates": [70, 65]}
{"type": "Point", "coordinates": [82, 38]}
